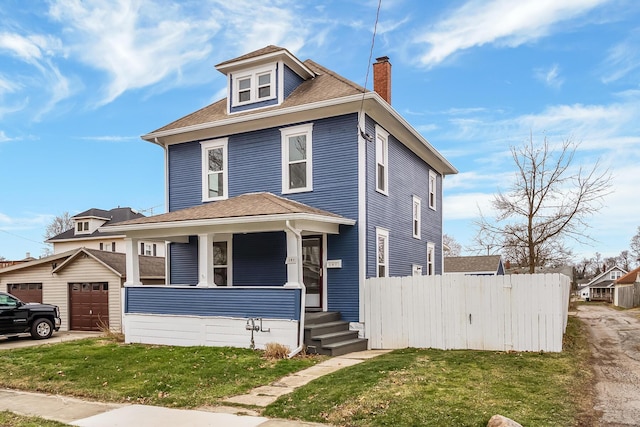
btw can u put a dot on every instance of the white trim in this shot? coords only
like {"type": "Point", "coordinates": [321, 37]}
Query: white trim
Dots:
{"type": "Point", "coordinates": [381, 232]}
{"type": "Point", "coordinates": [433, 190]}
{"type": "Point", "coordinates": [431, 260]}
{"type": "Point", "coordinates": [416, 217]}
{"type": "Point", "coordinates": [344, 105]}
{"type": "Point", "coordinates": [253, 74]}
{"type": "Point", "coordinates": [286, 133]}
{"type": "Point", "coordinates": [280, 79]}
{"type": "Point", "coordinates": [362, 212]}
{"type": "Point", "coordinates": [205, 147]}
{"type": "Point", "coordinates": [382, 159]}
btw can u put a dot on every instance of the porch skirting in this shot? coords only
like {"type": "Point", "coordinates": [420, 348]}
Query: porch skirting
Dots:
{"type": "Point", "coordinates": [214, 331]}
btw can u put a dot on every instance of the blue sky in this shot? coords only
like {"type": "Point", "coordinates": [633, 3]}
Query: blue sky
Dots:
{"type": "Point", "coordinates": [81, 81]}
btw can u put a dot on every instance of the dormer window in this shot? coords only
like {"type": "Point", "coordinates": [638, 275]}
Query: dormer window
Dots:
{"type": "Point", "coordinates": [82, 226]}
{"type": "Point", "coordinates": [254, 85]}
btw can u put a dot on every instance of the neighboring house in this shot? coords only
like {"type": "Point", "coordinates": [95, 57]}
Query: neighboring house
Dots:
{"type": "Point", "coordinates": [482, 265]}
{"type": "Point", "coordinates": [627, 290]}
{"type": "Point", "coordinates": [84, 283]}
{"type": "Point", "coordinates": [7, 263]}
{"type": "Point", "coordinates": [88, 232]}
{"type": "Point", "coordinates": [600, 288]}
{"type": "Point", "coordinates": [284, 196]}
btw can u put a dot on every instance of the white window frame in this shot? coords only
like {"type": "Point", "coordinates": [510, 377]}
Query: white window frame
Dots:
{"type": "Point", "coordinates": [382, 159]}
{"type": "Point", "coordinates": [229, 266]}
{"type": "Point", "coordinates": [416, 223]}
{"type": "Point", "coordinates": [382, 233]}
{"type": "Point", "coordinates": [615, 274]}
{"type": "Point", "coordinates": [287, 133]}
{"type": "Point", "coordinates": [433, 190]}
{"type": "Point", "coordinates": [210, 145]}
{"type": "Point", "coordinates": [253, 75]}
{"type": "Point", "coordinates": [431, 259]}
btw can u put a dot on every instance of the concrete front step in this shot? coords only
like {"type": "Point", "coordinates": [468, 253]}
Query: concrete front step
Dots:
{"type": "Point", "coordinates": [343, 347]}
{"type": "Point", "coordinates": [314, 318]}
{"type": "Point", "coordinates": [334, 337]}
{"type": "Point", "coordinates": [314, 330]}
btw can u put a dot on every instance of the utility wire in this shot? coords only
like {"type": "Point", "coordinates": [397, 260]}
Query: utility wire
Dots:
{"type": "Point", "coordinates": [366, 79]}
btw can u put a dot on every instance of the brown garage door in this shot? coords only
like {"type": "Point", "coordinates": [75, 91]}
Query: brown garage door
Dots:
{"type": "Point", "coordinates": [27, 292]}
{"type": "Point", "coordinates": [89, 306]}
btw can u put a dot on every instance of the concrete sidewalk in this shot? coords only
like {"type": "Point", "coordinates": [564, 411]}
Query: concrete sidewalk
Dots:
{"type": "Point", "coordinates": [84, 413]}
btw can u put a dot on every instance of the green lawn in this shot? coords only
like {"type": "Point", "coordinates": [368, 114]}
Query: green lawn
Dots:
{"type": "Point", "coordinates": [157, 375]}
{"type": "Point", "coordinates": [8, 419]}
{"type": "Point", "coordinates": [450, 388]}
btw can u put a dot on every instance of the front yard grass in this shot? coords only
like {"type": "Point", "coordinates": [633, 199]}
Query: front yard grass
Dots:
{"type": "Point", "coordinates": [9, 419]}
{"type": "Point", "coordinates": [103, 370]}
{"type": "Point", "coordinates": [452, 388]}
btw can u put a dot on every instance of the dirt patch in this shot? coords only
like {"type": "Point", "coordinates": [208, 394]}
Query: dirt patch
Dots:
{"type": "Point", "coordinates": [615, 345]}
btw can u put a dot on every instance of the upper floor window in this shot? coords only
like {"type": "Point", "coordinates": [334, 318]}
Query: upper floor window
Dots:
{"type": "Point", "coordinates": [431, 254]}
{"type": "Point", "coordinates": [214, 170]}
{"type": "Point", "coordinates": [615, 274]}
{"type": "Point", "coordinates": [82, 226]}
{"type": "Point", "coordinates": [382, 155]}
{"type": "Point", "coordinates": [254, 85]}
{"type": "Point", "coordinates": [382, 253]}
{"type": "Point", "coordinates": [148, 249]}
{"type": "Point", "coordinates": [433, 188]}
{"type": "Point", "coordinates": [297, 167]}
{"type": "Point", "coordinates": [417, 216]}
{"type": "Point", "coordinates": [109, 246]}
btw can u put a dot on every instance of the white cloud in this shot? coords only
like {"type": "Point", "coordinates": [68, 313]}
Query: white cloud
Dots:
{"type": "Point", "coordinates": [26, 222]}
{"type": "Point", "coordinates": [4, 137]}
{"type": "Point", "coordinates": [500, 22]}
{"type": "Point", "coordinates": [467, 205]}
{"type": "Point", "coordinates": [550, 76]}
{"type": "Point", "coordinates": [623, 58]}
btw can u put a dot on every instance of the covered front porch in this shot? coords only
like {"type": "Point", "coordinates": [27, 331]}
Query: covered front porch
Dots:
{"type": "Point", "coordinates": [240, 273]}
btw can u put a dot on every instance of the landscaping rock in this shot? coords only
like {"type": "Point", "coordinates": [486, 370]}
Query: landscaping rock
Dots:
{"type": "Point", "coordinates": [500, 421]}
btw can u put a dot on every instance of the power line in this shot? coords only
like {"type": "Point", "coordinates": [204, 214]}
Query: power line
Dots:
{"type": "Point", "coordinates": [21, 237]}
{"type": "Point", "coordinates": [366, 79]}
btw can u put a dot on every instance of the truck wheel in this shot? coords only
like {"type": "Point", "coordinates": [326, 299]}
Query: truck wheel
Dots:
{"type": "Point", "coordinates": [41, 329]}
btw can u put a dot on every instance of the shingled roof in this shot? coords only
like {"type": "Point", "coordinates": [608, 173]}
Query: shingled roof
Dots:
{"type": "Point", "coordinates": [112, 216]}
{"type": "Point", "coordinates": [150, 267]}
{"type": "Point", "coordinates": [252, 204]}
{"type": "Point", "coordinates": [630, 278]}
{"type": "Point", "coordinates": [325, 86]}
{"type": "Point", "coordinates": [472, 264]}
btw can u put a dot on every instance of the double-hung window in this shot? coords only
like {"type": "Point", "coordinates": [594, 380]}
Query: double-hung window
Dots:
{"type": "Point", "coordinates": [222, 262]}
{"type": "Point", "coordinates": [254, 85]}
{"type": "Point", "coordinates": [215, 166]}
{"type": "Point", "coordinates": [417, 217]}
{"type": "Point", "coordinates": [297, 165]}
{"type": "Point", "coordinates": [382, 160]}
{"type": "Point", "coordinates": [433, 189]}
{"type": "Point", "coordinates": [431, 253]}
{"type": "Point", "coordinates": [382, 252]}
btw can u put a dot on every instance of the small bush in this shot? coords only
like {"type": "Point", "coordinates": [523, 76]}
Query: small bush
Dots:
{"type": "Point", "coordinates": [273, 350]}
{"type": "Point", "coordinates": [110, 334]}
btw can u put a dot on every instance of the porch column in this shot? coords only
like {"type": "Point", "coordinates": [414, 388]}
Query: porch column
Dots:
{"type": "Point", "coordinates": [294, 257]}
{"type": "Point", "coordinates": [205, 260]}
{"type": "Point", "coordinates": [132, 262]}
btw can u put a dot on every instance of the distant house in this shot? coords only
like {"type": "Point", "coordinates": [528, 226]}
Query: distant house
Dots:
{"type": "Point", "coordinates": [84, 283]}
{"type": "Point", "coordinates": [8, 263]}
{"type": "Point", "coordinates": [88, 232]}
{"type": "Point", "coordinates": [285, 196]}
{"type": "Point", "coordinates": [482, 265]}
{"type": "Point", "coordinates": [601, 287]}
{"type": "Point", "coordinates": [627, 290]}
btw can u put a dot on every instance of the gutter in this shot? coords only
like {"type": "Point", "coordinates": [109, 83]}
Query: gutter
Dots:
{"type": "Point", "coordinates": [302, 301]}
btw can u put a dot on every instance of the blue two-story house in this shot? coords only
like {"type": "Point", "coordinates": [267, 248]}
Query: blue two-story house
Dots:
{"type": "Point", "coordinates": [282, 199]}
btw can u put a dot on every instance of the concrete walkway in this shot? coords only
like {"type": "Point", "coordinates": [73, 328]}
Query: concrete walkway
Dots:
{"type": "Point", "coordinates": [84, 413]}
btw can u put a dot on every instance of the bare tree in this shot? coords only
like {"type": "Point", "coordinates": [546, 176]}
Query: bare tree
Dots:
{"type": "Point", "coordinates": [455, 249]}
{"type": "Point", "coordinates": [59, 224]}
{"type": "Point", "coordinates": [548, 202]}
{"type": "Point", "coordinates": [635, 245]}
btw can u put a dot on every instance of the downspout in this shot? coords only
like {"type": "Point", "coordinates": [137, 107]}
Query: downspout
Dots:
{"type": "Point", "coordinates": [302, 300]}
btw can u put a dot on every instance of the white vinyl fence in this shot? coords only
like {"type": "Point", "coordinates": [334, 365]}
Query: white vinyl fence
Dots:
{"type": "Point", "coordinates": [524, 312]}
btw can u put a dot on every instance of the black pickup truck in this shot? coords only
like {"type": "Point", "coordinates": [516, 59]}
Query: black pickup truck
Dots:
{"type": "Point", "coordinates": [17, 317]}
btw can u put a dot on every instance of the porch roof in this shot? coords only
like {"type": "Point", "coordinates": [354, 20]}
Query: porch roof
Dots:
{"type": "Point", "coordinates": [254, 212]}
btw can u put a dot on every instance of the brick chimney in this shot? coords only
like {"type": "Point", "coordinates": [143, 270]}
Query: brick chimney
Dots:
{"type": "Point", "coordinates": [382, 78]}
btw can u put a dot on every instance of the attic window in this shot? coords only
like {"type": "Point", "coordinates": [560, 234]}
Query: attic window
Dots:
{"type": "Point", "coordinates": [254, 85]}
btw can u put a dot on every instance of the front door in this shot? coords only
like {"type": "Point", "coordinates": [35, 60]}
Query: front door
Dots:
{"type": "Point", "coordinates": [312, 270]}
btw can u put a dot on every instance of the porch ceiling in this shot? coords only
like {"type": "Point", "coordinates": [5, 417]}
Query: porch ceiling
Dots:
{"type": "Point", "coordinates": [248, 213]}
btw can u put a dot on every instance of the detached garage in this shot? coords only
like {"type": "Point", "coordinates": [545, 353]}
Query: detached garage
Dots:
{"type": "Point", "coordinates": [85, 283]}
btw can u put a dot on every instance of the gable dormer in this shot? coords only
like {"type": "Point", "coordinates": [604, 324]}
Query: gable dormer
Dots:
{"type": "Point", "coordinates": [262, 78]}
{"type": "Point", "coordinates": [87, 222]}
